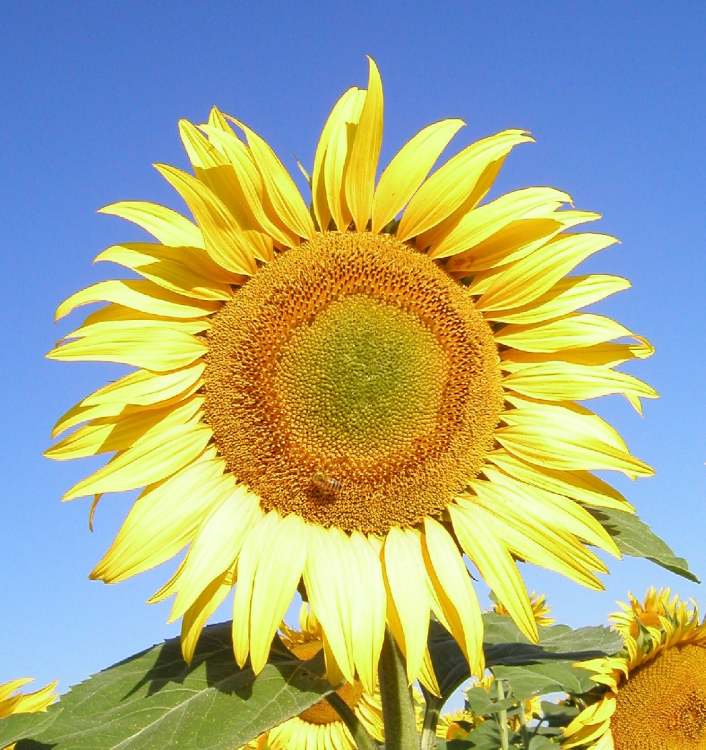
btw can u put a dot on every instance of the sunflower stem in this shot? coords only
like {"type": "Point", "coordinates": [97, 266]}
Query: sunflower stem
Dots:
{"type": "Point", "coordinates": [363, 741]}
{"type": "Point", "coordinates": [502, 717]}
{"type": "Point", "coordinates": [431, 719]}
{"type": "Point", "coordinates": [397, 706]}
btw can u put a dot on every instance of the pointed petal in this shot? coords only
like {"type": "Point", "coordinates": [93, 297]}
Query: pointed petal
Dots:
{"type": "Point", "coordinates": [169, 227]}
{"type": "Point", "coordinates": [495, 564]}
{"type": "Point", "coordinates": [365, 152]}
{"type": "Point", "coordinates": [319, 190]}
{"type": "Point", "coordinates": [529, 278]}
{"type": "Point", "coordinates": [406, 579]}
{"type": "Point", "coordinates": [455, 592]}
{"type": "Point", "coordinates": [150, 460]}
{"type": "Point", "coordinates": [163, 520]}
{"type": "Point", "coordinates": [140, 295]}
{"type": "Point", "coordinates": [286, 200]}
{"type": "Point", "coordinates": [408, 169]}
{"type": "Point", "coordinates": [452, 184]}
{"type": "Point", "coordinates": [566, 296]}
{"type": "Point", "coordinates": [183, 270]}
{"type": "Point", "coordinates": [223, 239]}
{"type": "Point", "coordinates": [197, 615]}
{"type": "Point", "coordinates": [216, 545]}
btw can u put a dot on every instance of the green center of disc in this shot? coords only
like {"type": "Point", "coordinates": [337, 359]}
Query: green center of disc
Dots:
{"type": "Point", "coordinates": [362, 378]}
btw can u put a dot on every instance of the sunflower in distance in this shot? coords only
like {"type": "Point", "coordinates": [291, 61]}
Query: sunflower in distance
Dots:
{"type": "Point", "coordinates": [12, 702]}
{"type": "Point", "coordinates": [540, 610]}
{"type": "Point", "coordinates": [320, 727]}
{"type": "Point", "coordinates": [349, 396]}
{"type": "Point", "coordinates": [656, 687]}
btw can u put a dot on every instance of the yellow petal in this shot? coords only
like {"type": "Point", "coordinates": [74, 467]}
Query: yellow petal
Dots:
{"type": "Point", "coordinates": [224, 241]}
{"type": "Point", "coordinates": [151, 460]}
{"type": "Point", "coordinates": [335, 125]}
{"type": "Point", "coordinates": [359, 178]}
{"type": "Point", "coordinates": [197, 615]}
{"type": "Point", "coordinates": [495, 564]}
{"type": "Point", "coordinates": [528, 278]}
{"type": "Point", "coordinates": [536, 543]}
{"type": "Point", "coordinates": [337, 155]}
{"type": "Point", "coordinates": [579, 485]}
{"type": "Point", "coordinates": [164, 519]}
{"type": "Point", "coordinates": [567, 443]}
{"type": "Point", "coordinates": [144, 388]}
{"type": "Point", "coordinates": [368, 611]}
{"type": "Point", "coordinates": [408, 169]}
{"type": "Point", "coordinates": [600, 354]}
{"type": "Point", "coordinates": [216, 545]}
{"type": "Point", "coordinates": [491, 218]}
{"type": "Point", "coordinates": [556, 510]}
{"type": "Point", "coordinates": [287, 203]}
{"type": "Point", "coordinates": [250, 191]}
{"type": "Point", "coordinates": [8, 688]}
{"type": "Point", "coordinates": [568, 332]}
{"type": "Point", "coordinates": [455, 592]}
{"type": "Point", "coordinates": [406, 580]}
{"type": "Point", "coordinates": [169, 227]}
{"type": "Point", "coordinates": [109, 435]}
{"type": "Point", "coordinates": [514, 239]}
{"type": "Point", "coordinates": [188, 271]}
{"type": "Point", "coordinates": [269, 569]}
{"type": "Point", "coordinates": [452, 184]}
{"type": "Point", "coordinates": [327, 575]}
{"type": "Point", "coordinates": [565, 381]}
{"type": "Point", "coordinates": [137, 347]}
{"type": "Point", "coordinates": [110, 322]}
{"type": "Point", "coordinates": [140, 295]}
{"type": "Point", "coordinates": [214, 170]}
{"type": "Point", "coordinates": [567, 296]}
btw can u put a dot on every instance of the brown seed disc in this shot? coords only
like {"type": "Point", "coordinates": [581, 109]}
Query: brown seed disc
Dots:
{"type": "Point", "coordinates": [352, 381]}
{"type": "Point", "coordinates": [663, 705]}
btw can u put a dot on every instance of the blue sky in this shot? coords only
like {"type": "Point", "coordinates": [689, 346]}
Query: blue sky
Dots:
{"type": "Point", "coordinates": [92, 92]}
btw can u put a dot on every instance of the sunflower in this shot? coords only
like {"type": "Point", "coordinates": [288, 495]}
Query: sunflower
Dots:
{"type": "Point", "coordinates": [456, 726]}
{"type": "Point", "coordinates": [540, 610]}
{"type": "Point", "coordinates": [350, 396]}
{"type": "Point", "coordinates": [656, 687]}
{"type": "Point", "coordinates": [12, 702]}
{"type": "Point", "coordinates": [319, 726]}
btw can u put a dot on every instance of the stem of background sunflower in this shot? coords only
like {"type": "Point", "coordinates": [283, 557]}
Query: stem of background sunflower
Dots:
{"type": "Point", "coordinates": [432, 709]}
{"type": "Point", "coordinates": [362, 739]}
{"type": "Point", "coordinates": [502, 718]}
{"type": "Point", "coordinates": [397, 706]}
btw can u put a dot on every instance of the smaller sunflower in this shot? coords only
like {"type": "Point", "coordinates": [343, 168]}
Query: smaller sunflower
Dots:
{"type": "Point", "coordinates": [456, 726]}
{"type": "Point", "coordinates": [540, 609]}
{"type": "Point", "coordinates": [656, 686]}
{"type": "Point", "coordinates": [319, 727]}
{"type": "Point", "coordinates": [12, 702]}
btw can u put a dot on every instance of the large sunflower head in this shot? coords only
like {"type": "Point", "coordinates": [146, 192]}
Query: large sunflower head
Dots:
{"type": "Point", "coordinates": [355, 393]}
{"type": "Point", "coordinates": [656, 687]}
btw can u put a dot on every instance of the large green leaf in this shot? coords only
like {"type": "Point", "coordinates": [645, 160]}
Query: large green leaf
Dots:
{"type": "Point", "coordinates": [635, 538]}
{"type": "Point", "coordinates": [541, 678]}
{"type": "Point", "coordinates": [154, 700]}
{"type": "Point", "coordinates": [505, 645]}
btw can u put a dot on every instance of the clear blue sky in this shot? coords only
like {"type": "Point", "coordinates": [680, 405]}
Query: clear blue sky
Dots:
{"type": "Point", "coordinates": [614, 93]}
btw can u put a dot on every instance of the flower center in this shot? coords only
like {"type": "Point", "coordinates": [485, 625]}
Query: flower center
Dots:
{"type": "Point", "coordinates": [353, 382]}
{"type": "Point", "coordinates": [663, 705]}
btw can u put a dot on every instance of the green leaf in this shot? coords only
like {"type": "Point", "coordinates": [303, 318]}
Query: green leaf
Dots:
{"type": "Point", "coordinates": [636, 539]}
{"type": "Point", "coordinates": [154, 700]}
{"type": "Point", "coordinates": [505, 645]}
{"type": "Point", "coordinates": [539, 742]}
{"type": "Point", "coordinates": [546, 677]}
